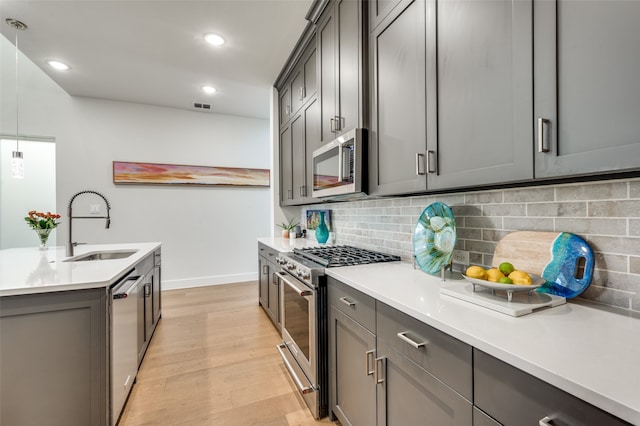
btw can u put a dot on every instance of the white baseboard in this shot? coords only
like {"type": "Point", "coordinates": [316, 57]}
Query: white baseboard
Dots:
{"type": "Point", "coordinates": [205, 281]}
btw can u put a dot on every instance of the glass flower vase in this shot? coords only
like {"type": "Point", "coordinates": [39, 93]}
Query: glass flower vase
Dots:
{"type": "Point", "coordinates": [43, 235]}
{"type": "Point", "coordinates": [322, 232]}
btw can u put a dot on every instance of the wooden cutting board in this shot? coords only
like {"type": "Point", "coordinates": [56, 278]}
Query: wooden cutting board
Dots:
{"type": "Point", "coordinates": [563, 259]}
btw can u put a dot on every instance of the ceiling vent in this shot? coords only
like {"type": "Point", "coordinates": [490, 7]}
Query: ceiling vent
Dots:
{"type": "Point", "coordinates": [199, 106]}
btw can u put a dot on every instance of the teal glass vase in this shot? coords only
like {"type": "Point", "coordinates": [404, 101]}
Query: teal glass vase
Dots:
{"type": "Point", "coordinates": [322, 232]}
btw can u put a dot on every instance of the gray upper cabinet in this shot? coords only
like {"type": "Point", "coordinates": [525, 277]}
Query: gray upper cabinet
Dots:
{"type": "Point", "coordinates": [378, 9]}
{"type": "Point", "coordinates": [286, 166]}
{"type": "Point", "coordinates": [340, 40]}
{"type": "Point", "coordinates": [397, 137]}
{"type": "Point", "coordinates": [285, 103]}
{"type": "Point", "coordinates": [300, 86]}
{"type": "Point", "coordinates": [479, 92]}
{"type": "Point", "coordinates": [587, 90]}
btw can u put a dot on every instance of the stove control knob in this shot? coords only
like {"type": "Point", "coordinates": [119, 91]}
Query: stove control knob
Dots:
{"type": "Point", "coordinates": [291, 266]}
{"type": "Point", "coordinates": [306, 275]}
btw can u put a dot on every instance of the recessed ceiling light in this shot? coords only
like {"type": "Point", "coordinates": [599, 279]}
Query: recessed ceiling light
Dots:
{"type": "Point", "coordinates": [58, 65]}
{"type": "Point", "coordinates": [209, 89]}
{"type": "Point", "coordinates": [214, 39]}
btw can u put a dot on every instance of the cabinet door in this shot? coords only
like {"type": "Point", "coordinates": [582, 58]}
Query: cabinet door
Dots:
{"type": "Point", "coordinates": [297, 89]}
{"type": "Point", "coordinates": [312, 140]}
{"type": "Point", "coordinates": [55, 358]}
{"type": "Point", "coordinates": [274, 295]}
{"type": "Point", "coordinates": [348, 81]}
{"type": "Point", "coordinates": [587, 86]}
{"type": "Point", "coordinates": [286, 167]}
{"type": "Point", "coordinates": [157, 293]}
{"type": "Point", "coordinates": [378, 9]}
{"type": "Point", "coordinates": [479, 123]}
{"type": "Point", "coordinates": [398, 130]}
{"type": "Point", "coordinates": [298, 160]}
{"type": "Point", "coordinates": [310, 85]}
{"type": "Point", "coordinates": [352, 391]}
{"type": "Point", "coordinates": [326, 48]}
{"type": "Point", "coordinates": [408, 395]}
{"type": "Point", "coordinates": [285, 104]}
{"type": "Point", "coordinates": [263, 282]}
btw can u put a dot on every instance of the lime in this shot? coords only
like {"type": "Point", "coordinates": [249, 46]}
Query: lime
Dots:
{"type": "Point", "coordinates": [505, 280]}
{"type": "Point", "coordinates": [506, 268]}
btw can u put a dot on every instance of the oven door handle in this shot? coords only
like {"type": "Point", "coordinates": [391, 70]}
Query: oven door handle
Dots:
{"type": "Point", "coordinates": [302, 291]}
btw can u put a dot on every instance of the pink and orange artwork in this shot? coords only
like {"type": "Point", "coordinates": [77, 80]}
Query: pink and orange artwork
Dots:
{"type": "Point", "coordinates": [173, 174]}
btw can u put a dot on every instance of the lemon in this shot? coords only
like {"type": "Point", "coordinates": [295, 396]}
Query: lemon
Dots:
{"type": "Point", "coordinates": [494, 275]}
{"type": "Point", "coordinates": [506, 268]}
{"type": "Point", "coordinates": [505, 280]}
{"type": "Point", "coordinates": [520, 278]}
{"type": "Point", "coordinates": [476, 272]}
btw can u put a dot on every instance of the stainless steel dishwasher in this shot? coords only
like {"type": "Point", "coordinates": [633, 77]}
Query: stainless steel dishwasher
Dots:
{"type": "Point", "coordinates": [124, 340]}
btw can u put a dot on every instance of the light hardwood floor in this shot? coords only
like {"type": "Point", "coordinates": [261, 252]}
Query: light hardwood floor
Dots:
{"type": "Point", "coordinates": [213, 361]}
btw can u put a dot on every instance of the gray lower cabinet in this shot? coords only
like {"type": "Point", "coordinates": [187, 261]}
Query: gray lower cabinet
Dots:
{"type": "Point", "coordinates": [54, 363]}
{"type": "Point", "coordinates": [269, 283]}
{"type": "Point", "coordinates": [149, 306]}
{"type": "Point", "coordinates": [397, 136]}
{"type": "Point", "coordinates": [352, 344]}
{"type": "Point", "coordinates": [375, 379]}
{"type": "Point", "coordinates": [587, 91]}
{"type": "Point", "coordinates": [479, 92]}
{"type": "Point", "coordinates": [513, 397]}
{"type": "Point", "coordinates": [409, 395]}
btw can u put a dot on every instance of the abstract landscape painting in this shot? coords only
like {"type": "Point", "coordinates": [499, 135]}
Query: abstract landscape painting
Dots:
{"type": "Point", "coordinates": [172, 174]}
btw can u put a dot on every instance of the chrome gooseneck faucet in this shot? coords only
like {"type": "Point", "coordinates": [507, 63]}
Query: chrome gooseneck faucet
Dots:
{"type": "Point", "coordinates": [70, 243]}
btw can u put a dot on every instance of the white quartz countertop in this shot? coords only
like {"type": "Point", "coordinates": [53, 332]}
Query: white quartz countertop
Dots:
{"type": "Point", "coordinates": [285, 245]}
{"type": "Point", "coordinates": [583, 349]}
{"type": "Point", "coordinates": [29, 270]}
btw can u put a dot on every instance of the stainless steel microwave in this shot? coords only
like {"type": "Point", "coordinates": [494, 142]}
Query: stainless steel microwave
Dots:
{"type": "Point", "coordinates": [338, 167]}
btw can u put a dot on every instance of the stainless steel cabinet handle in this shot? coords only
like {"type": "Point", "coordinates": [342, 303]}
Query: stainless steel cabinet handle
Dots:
{"type": "Point", "coordinates": [543, 137]}
{"type": "Point", "coordinates": [368, 355]}
{"type": "Point", "coordinates": [287, 109]}
{"type": "Point", "coordinates": [431, 161]}
{"type": "Point", "coordinates": [377, 373]}
{"type": "Point", "coordinates": [303, 191]}
{"type": "Point", "coordinates": [347, 301]}
{"type": "Point", "coordinates": [339, 122]}
{"type": "Point", "coordinates": [404, 338]}
{"type": "Point", "coordinates": [301, 92]}
{"type": "Point", "coordinates": [333, 125]}
{"type": "Point", "coordinates": [274, 278]}
{"type": "Point", "coordinates": [547, 421]}
{"type": "Point", "coordinates": [265, 269]}
{"type": "Point", "coordinates": [419, 163]}
{"type": "Point", "coordinates": [290, 194]}
{"type": "Point", "coordinates": [147, 290]}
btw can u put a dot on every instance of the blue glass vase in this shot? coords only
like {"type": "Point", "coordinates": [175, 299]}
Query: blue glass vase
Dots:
{"type": "Point", "coordinates": [322, 232]}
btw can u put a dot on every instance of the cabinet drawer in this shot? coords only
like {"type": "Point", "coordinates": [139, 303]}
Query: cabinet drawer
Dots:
{"type": "Point", "coordinates": [353, 303]}
{"type": "Point", "coordinates": [445, 357]}
{"type": "Point", "coordinates": [267, 252]}
{"type": "Point", "coordinates": [514, 397]}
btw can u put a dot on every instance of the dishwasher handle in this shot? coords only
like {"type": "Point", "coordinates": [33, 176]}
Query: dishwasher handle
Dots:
{"type": "Point", "coordinates": [122, 290]}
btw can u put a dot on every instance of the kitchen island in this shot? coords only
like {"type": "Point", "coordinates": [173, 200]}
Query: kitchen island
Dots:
{"type": "Point", "coordinates": [56, 334]}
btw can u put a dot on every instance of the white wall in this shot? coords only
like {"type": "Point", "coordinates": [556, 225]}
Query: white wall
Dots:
{"type": "Point", "coordinates": [208, 233]}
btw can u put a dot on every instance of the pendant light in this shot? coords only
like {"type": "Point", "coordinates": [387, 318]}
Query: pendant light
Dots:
{"type": "Point", "coordinates": [17, 160]}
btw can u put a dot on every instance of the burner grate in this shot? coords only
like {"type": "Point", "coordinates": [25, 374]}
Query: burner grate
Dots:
{"type": "Point", "coordinates": [333, 256]}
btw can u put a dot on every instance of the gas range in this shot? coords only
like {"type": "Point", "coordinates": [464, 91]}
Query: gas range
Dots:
{"type": "Point", "coordinates": [308, 264]}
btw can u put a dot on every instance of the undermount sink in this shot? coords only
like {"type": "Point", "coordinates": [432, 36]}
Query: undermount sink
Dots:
{"type": "Point", "coordinates": [102, 255]}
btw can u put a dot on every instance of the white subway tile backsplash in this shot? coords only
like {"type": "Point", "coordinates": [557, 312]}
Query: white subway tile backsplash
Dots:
{"type": "Point", "coordinates": [606, 214]}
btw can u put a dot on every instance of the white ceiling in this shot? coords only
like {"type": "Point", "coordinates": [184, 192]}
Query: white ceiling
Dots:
{"type": "Point", "coordinates": [152, 51]}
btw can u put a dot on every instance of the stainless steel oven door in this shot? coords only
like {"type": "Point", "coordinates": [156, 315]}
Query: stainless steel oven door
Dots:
{"type": "Point", "coordinates": [299, 324]}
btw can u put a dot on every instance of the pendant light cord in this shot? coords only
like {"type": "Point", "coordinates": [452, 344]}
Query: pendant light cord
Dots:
{"type": "Point", "coordinates": [17, 98]}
